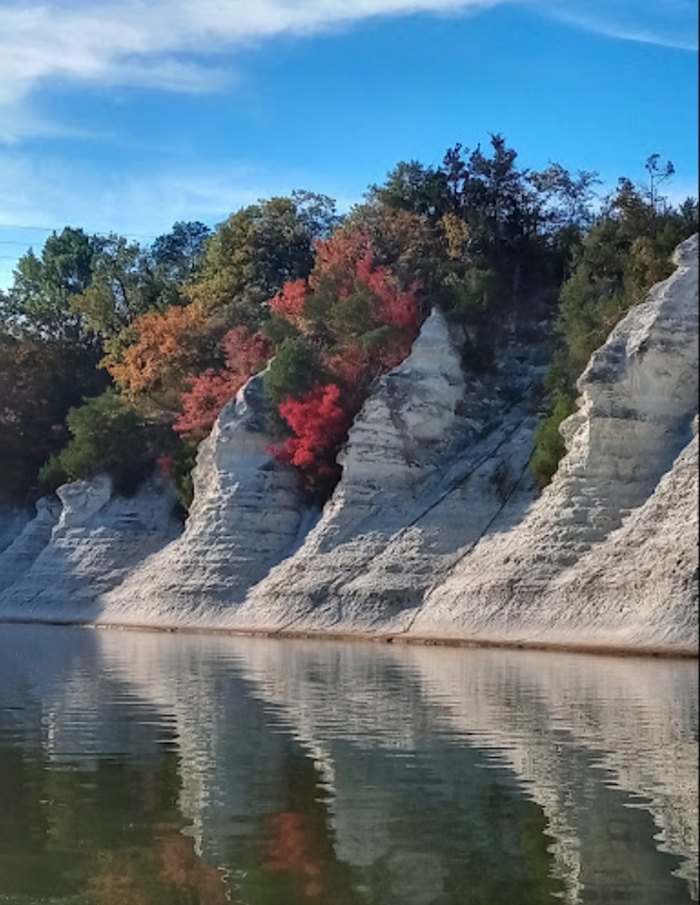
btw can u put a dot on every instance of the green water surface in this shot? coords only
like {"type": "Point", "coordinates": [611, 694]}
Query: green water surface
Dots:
{"type": "Point", "coordinates": [148, 769]}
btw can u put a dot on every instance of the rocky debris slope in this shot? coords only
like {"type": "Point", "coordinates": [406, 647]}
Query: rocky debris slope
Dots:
{"type": "Point", "coordinates": [246, 516]}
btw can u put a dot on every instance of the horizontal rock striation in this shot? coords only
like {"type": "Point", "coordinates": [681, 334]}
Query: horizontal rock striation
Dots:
{"type": "Point", "coordinates": [60, 568]}
{"type": "Point", "coordinates": [246, 516]}
{"type": "Point", "coordinates": [31, 538]}
{"type": "Point", "coordinates": [548, 578]}
{"type": "Point", "coordinates": [417, 483]}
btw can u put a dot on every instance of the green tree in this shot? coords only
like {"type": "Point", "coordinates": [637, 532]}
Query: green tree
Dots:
{"type": "Point", "coordinates": [294, 370]}
{"type": "Point", "coordinates": [255, 252]}
{"type": "Point", "coordinates": [415, 188]}
{"type": "Point", "coordinates": [39, 382]}
{"type": "Point", "coordinates": [179, 254]}
{"type": "Point", "coordinates": [625, 252]}
{"type": "Point", "coordinates": [124, 284]}
{"type": "Point", "coordinates": [108, 435]}
{"type": "Point", "coordinates": [39, 301]}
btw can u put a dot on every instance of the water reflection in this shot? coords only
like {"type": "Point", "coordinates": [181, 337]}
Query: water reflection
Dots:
{"type": "Point", "coordinates": [150, 768]}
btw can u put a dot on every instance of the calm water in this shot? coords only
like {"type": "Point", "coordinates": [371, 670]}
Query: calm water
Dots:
{"type": "Point", "coordinates": [149, 768]}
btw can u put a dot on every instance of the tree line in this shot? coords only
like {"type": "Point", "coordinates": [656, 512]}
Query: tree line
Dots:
{"type": "Point", "coordinates": [118, 357]}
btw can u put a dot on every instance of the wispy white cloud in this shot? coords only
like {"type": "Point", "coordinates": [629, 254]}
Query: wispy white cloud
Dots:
{"type": "Point", "coordinates": [669, 23]}
{"type": "Point", "coordinates": [179, 45]}
{"type": "Point", "coordinates": [36, 191]}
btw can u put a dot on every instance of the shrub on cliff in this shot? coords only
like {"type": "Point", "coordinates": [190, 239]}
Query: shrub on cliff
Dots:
{"type": "Point", "coordinates": [549, 443]}
{"type": "Point", "coordinates": [107, 436]}
{"type": "Point", "coordinates": [319, 426]}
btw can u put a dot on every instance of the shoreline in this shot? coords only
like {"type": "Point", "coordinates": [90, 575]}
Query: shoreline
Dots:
{"type": "Point", "coordinates": [667, 652]}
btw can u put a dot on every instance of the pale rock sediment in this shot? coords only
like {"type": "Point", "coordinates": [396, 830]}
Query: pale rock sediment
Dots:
{"type": "Point", "coordinates": [33, 535]}
{"type": "Point", "coordinates": [563, 573]}
{"type": "Point", "coordinates": [12, 522]}
{"type": "Point", "coordinates": [60, 569]}
{"type": "Point", "coordinates": [417, 482]}
{"type": "Point", "coordinates": [245, 517]}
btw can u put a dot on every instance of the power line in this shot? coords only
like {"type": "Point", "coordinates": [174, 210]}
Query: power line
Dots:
{"type": "Point", "coordinates": [54, 229]}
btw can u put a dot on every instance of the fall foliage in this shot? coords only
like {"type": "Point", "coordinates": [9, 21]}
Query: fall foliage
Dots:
{"type": "Point", "coordinates": [158, 351]}
{"type": "Point", "coordinates": [319, 424]}
{"type": "Point", "coordinates": [245, 354]}
{"type": "Point", "coordinates": [325, 304]}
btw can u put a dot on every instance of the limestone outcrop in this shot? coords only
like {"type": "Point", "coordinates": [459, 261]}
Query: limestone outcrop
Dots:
{"type": "Point", "coordinates": [436, 528]}
{"type": "Point", "coordinates": [417, 484]}
{"type": "Point", "coordinates": [31, 537]}
{"type": "Point", "coordinates": [246, 516]}
{"type": "Point", "coordinates": [61, 565]}
{"type": "Point", "coordinates": [562, 573]}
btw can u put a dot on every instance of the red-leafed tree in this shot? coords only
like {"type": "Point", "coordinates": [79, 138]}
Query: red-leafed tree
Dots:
{"type": "Point", "coordinates": [245, 354]}
{"type": "Point", "coordinates": [336, 261]}
{"type": "Point", "coordinates": [396, 308]}
{"type": "Point", "coordinates": [289, 303]}
{"type": "Point", "coordinates": [360, 323]}
{"type": "Point", "coordinates": [320, 425]}
{"type": "Point", "coordinates": [346, 271]}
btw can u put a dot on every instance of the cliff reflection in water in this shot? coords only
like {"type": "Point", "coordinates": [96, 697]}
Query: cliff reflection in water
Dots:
{"type": "Point", "coordinates": [149, 768]}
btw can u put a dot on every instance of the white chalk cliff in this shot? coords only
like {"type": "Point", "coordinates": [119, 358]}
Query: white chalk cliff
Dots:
{"type": "Point", "coordinates": [436, 528]}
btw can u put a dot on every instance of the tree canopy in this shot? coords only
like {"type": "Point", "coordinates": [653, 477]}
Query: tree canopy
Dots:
{"type": "Point", "coordinates": [117, 356]}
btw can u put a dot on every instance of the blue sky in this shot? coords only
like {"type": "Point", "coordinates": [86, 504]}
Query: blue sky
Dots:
{"type": "Point", "coordinates": [131, 114]}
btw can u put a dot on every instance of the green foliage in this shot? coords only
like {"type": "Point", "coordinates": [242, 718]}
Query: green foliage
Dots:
{"type": "Point", "coordinates": [294, 370]}
{"type": "Point", "coordinates": [124, 285]}
{"type": "Point", "coordinates": [489, 242]}
{"type": "Point", "coordinates": [84, 289]}
{"type": "Point", "coordinates": [107, 436]}
{"type": "Point", "coordinates": [181, 474]}
{"type": "Point", "coordinates": [625, 252]}
{"type": "Point", "coordinates": [277, 329]}
{"type": "Point", "coordinates": [38, 302]}
{"type": "Point", "coordinates": [549, 443]}
{"type": "Point", "coordinates": [39, 381]}
{"type": "Point", "coordinates": [256, 251]}
{"type": "Point", "coordinates": [622, 256]}
{"type": "Point", "coordinates": [415, 188]}
{"type": "Point", "coordinates": [179, 254]}
{"type": "Point", "coordinates": [468, 298]}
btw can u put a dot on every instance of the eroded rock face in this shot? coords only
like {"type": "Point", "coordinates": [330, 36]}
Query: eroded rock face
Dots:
{"type": "Point", "coordinates": [33, 535]}
{"type": "Point", "coordinates": [12, 522]}
{"type": "Point", "coordinates": [246, 516]}
{"type": "Point", "coordinates": [548, 578]}
{"type": "Point", "coordinates": [417, 484]}
{"type": "Point", "coordinates": [436, 528]}
{"type": "Point", "coordinates": [70, 555]}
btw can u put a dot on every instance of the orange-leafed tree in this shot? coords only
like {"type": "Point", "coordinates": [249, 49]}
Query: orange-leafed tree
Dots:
{"type": "Point", "coordinates": [158, 350]}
